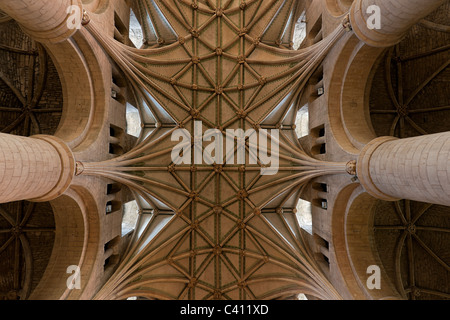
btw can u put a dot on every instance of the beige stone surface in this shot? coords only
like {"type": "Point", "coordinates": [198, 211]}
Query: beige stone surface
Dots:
{"type": "Point", "coordinates": [98, 162]}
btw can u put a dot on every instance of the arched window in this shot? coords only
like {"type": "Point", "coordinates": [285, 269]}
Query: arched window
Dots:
{"type": "Point", "coordinates": [300, 31]}
{"type": "Point", "coordinates": [304, 215]}
{"type": "Point", "coordinates": [302, 122]}
{"type": "Point", "coordinates": [134, 127]}
{"type": "Point", "coordinates": [130, 217]}
{"type": "Point", "coordinates": [136, 33]}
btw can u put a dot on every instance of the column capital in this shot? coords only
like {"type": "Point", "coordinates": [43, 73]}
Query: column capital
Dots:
{"type": "Point", "coordinates": [416, 168]}
{"type": "Point", "coordinates": [363, 167]}
{"type": "Point", "coordinates": [68, 167]}
{"type": "Point", "coordinates": [38, 168]}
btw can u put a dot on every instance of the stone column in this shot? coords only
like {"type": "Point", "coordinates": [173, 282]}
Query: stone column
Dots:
{"type": "Point", "coordinates": [45, 20]}
{"type": "Point", "coordinates": [39, 168]}
{"type": "Point", "coordinates": [397, 17]}
{"type": "Point", "coordinates": [415, 168]}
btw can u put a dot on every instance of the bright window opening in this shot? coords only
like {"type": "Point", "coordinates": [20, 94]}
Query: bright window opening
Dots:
{"type": "Point", "coordinates": [134, 127]}
{"type": "Point", "coordinates": [300, 31]}
{"type": "Point", "coordinates": [302, 297]}
{"type": "Point", "coordinates": [136, 33]}
{"type": "Point", "coordinates": [130, 217]}
{"type": "Point", "coordinates": [302, 122]}
{"type": "Point", "coordinates": [304, 215]}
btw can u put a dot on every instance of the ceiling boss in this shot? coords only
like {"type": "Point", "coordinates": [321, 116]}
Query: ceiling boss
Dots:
{"type": "Point", "coordinates": [215, 82]}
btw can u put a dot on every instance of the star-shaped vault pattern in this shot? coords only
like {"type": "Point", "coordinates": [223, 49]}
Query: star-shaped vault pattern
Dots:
{"type": "Point", "coordinates": [220, 231]}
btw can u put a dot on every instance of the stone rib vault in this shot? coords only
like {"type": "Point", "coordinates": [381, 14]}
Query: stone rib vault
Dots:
{"type": "Point", "coordinates": [216, 217]}
{"type": "Point", "coordinates": [212, 231]}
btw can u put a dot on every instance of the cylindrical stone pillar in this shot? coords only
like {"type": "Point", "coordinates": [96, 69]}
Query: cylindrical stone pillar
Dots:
{"type": "Point", "coordinates": [45, 20]}
{"type": "Point", "coordinates": [415, 168]}
{"type": "Point", "coordinates": [396, 18]}
{"type": "Point", "coordinates": [39, 168]}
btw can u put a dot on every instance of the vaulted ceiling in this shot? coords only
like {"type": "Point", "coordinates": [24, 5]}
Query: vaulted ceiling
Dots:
{"type": "Point", "coordinates": [221, 230]}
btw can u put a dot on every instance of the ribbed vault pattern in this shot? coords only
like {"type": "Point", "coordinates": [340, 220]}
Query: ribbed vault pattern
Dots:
{"type": "Point", "coordinates": [219, 231]}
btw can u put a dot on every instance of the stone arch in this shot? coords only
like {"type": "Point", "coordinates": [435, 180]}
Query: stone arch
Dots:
{"type": "Point", "coordinates": [339, 242]}
{"type": "Point", "coordinates": [83, 108]}
{"type": "Point", "coordinates": [96, 6]}
{"type": "Point", "coordinates": [353, 239]}
{"type": "Point", "coordinates": [338, 7]}
{"type": "Point", "coordinates": [76, 244]}
{"type": "Point", "coordinates": [348, 99]}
